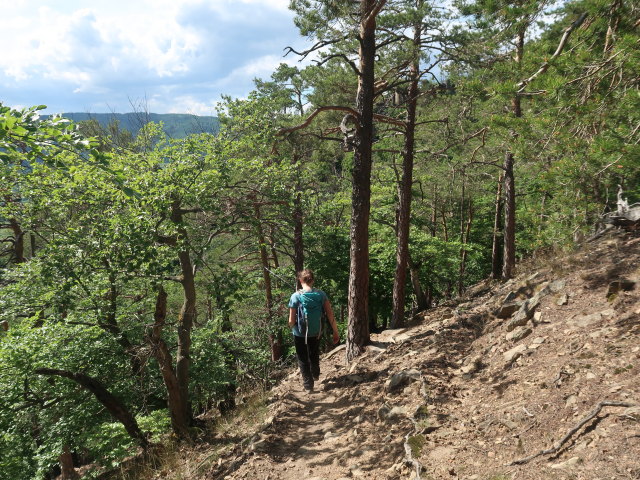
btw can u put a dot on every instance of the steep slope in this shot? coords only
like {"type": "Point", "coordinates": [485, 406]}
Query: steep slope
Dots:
{"type": "Point", "coordinates": [464, 394]}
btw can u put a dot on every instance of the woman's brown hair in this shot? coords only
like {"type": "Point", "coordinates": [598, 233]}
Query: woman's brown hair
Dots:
{"type": "Point", "coordinates": [306, 276]}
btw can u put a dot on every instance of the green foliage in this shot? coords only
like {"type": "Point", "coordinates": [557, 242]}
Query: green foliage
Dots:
{"type": "Point", "coordinates": [112, 218]}
{"type": "Point", "coordinates": [36, 138]}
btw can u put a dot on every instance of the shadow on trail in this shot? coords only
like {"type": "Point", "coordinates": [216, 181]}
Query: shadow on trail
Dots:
{"type": "Point", "coordinates": [320, 430]}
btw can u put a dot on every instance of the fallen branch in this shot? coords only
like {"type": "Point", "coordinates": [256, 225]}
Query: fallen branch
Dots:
{"type": "Point", "coordinates": [335, 350]}
{"type": "Point", "coordinates": [571, 432]}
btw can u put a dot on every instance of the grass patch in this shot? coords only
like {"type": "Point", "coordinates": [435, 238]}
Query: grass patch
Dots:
{"type": "Point", "coordinates": [416, 443]}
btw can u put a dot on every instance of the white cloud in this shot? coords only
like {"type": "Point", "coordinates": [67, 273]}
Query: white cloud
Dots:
{"type": "Point", "coordinates": [261, 67]}
{"type": "Point", "coordinates": [112, 50]}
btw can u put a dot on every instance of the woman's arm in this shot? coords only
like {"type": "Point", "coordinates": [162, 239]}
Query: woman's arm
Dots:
{"type": "Point", "coordinates": [332, 320]}
{"type": "Point", "coordinates": [292, 317]}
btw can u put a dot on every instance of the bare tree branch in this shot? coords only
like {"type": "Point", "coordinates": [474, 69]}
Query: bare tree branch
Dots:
{"type": "Point", "coordinates": [391, 120]}
{"type": "Point", "coordinates": [374, 11]}
{"type": "Point", "coordinates": [315, 47]}
{"type": "Point", "coordinates": [344, 57]}
{"type": "Point", "coordinates": [318, 110]}
{"type": "Point", "coordinates": [451, 145]}
{"type": "Point", "coordinates": [563, 41]}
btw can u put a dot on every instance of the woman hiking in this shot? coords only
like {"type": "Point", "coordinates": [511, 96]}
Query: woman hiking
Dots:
{"type": "Point", "coordinates": [310, 302]}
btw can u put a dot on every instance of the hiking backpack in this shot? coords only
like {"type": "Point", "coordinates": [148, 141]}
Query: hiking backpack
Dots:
{"type": "Point", "coordinates": [309, 313]}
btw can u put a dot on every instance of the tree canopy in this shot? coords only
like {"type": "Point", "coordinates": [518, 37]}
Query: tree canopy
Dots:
{"type": "Point", "coordinates": [144, 279]}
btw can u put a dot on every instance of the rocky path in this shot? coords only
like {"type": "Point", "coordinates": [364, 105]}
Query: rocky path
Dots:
{"type": "Point", "coordinates": [513, 370]}
{"type": "Point", "coordinates": [361, 420]}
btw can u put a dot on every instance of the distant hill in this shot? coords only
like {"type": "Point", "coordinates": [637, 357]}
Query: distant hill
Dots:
{"type": "Point", "coordinates": [176, 125]}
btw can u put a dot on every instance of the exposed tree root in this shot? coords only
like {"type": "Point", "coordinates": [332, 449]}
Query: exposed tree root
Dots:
{"type": "Point", "coordinates": [571, 432]}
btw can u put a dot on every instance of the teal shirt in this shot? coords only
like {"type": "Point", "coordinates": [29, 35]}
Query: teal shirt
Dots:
{"type": "Point", "coordinates": [313, 302]}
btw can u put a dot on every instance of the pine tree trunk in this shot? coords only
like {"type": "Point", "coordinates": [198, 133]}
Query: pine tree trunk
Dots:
{"type": "Point", "coordinates": [509, 259]}
{"type": "Point", "coordinates": [18, 241]}
{"type": "Point", "coordinates": [358, 298]}
{"type": "Point", "coordinates": [32, 239]}
{"type": "Point", "coordinates": [423, 302]}
{"type": "Point", "coordinates": [404, 193]}
{"type": "Point", "coordinates": [496, 259]}
{"type": "Point", "coordinates": [445, 228]}
{"type": "Point", "coordinates": [464, 251]}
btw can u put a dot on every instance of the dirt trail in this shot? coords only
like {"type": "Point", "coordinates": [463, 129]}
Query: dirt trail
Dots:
{"type": "Point", "coordinates": [462, 393]}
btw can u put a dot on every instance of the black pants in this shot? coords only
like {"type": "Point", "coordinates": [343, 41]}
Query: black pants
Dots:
{"type": "Point", "coordinates": [308, 359]}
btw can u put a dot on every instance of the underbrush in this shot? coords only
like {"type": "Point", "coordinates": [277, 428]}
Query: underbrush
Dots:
{"type": "Point", "coordinates": [172, 460]}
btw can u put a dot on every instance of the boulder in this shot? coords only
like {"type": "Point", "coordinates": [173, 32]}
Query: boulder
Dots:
{"type": "Point", "coordinates": [510, 298]}
{"type": "Point", "coordinates": [397, 412]}
{"type": "Point", "coordinates": [586, 320]}
{"type": "Point", "coordinates": [557, 286]}
{"type": "Point", "coordinates": [402, 378]}
{"type": "Point", "coordinates": [508, 309]}
{"type": "Point", "coordinates": [525, 313]}
{"type": "Point", "coordinates": [512, 355]}
{"type": "Point", "coordinates": [519, 334]}
{"type": "Point", "coordinates": [632, 413]}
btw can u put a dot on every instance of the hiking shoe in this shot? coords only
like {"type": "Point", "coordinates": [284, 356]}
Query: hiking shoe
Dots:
{"type": "Point", "coordinates": [316, 377]}
{"type": "Point", "coordinates": [308, 389]}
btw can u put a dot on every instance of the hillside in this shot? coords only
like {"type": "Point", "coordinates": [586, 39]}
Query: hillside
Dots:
{"type": "Point", "coordinates": [176, 125]}
{"type": "Point", "coordinates": [508, 372]}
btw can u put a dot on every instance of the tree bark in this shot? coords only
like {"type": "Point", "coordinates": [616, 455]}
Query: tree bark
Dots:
{"type": "Point", "coordinates": [445, 227]}
{"type": "Point", "coordinates": [32, 239]}
{"type": "Point", "coordinates": [113, 405]}
{"type": "Point", "coordinates": [463, 250]}
{"type": "Point", "coordinates": [509, 260]}
{"type": "Point", "coordinates": [110, 323]}
{"type": "Point", "coordinates": [67, 471]}
{"type": "Point", "coordinates": [496, 260]}
{"type": "Point", "coordinates": [187, 315]}
{"type": "Point", "coordinates": [175, 401]}
{"type": "Point", "coordinates": [358, 298]}
{"type": "Point", "coordinates": [275, 340]}
{"type": "Point", "coordinates": [404, 190]}
{"type": "Point", "coordinates": [18, 241]}
{"type": "Point", "coordinates": [509, 257]}
{"type": "Point", "coordinates": [421, 299]}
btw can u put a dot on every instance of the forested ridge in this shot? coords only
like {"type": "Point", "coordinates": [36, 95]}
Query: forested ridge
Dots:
{"type": "Point", "coordinates": [175, 125]}
{"type": "Point", "coordinates": [144, 279]}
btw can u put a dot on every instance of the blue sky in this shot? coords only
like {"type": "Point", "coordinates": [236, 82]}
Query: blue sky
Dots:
{"type": "Point", "coordinates": [177, 56]}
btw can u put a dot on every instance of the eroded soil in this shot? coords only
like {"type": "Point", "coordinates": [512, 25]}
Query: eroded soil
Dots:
{"type": "Point", "coordinates": [462, 394]}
